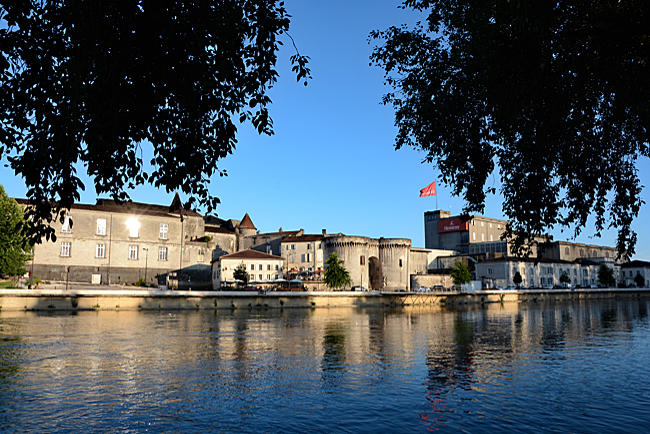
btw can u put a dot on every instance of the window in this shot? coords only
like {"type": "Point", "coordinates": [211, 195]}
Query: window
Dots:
{"type": "Point", "coordinates": [490, 225]}
{"type": "Point", "coordinates": [252, 267]}
{"type": "Point", "coordinates": [582, 253]}
{"type": "Point", "coordinates": [607, 254]}
{"type": "Point", "coordinates": [260, 277]}
{"type": "Point", "coordinates": [200, 255]}
{"type": "Point", "coordinates": [308, 246]}
{"type": "Point", "coordinates": [134, 227]}
{"type": "Point", "coordinates": [260, 268]}
{"type": "Point", "coordinates": [100, 250]}
{"type": "Point", "coordinates": [482, 224]}
{"type": "Point", "coordinates": [302, 257]}
{"type": "Point", "coordinates": [593, 254]}
{"type": "Point", "coordinates": [133, 252]}
{"type": "Point", "coordinates": [308, 257]}
{"type": "Point", "coordinates": [319, 246]}
{"type": "Point", "coordinates": [566, 251]}
{"type": "Point", "coordinates": [489, 271]}
{"type": "Point", "coordinates": [162, 253]}
{"type": "Point", "coordinates": [362, 260]}
{"type": "Point", "coordinates": [482, 237]}
{"type": "Point", "coordinates": [101, 227]}
{"type": "Point", "coordinates": [276, 268]}
{"type": "Point", "coordinates": [164, 231]}
{"type": "Point", "coordinates": [491, 239]}
{"type": "Point", "coordinates": [66, 228]}
{"type": "Point", "coordinates": [473, 236]}
{"type": "Point", "coordinates": [65, 249]}
{"type": "Point", "coordinates": [293, 247]}
{"type": "Point", "coordinates": [268, 277]}
{"type": "Point", "coordinates": [400, 262]}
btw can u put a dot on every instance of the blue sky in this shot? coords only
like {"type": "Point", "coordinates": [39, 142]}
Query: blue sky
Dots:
{"type": "Point", "coordinates": [331, 163]}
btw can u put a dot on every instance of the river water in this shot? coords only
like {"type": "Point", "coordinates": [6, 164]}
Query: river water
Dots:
{"type": "Point", "coordinates": [579, 367]}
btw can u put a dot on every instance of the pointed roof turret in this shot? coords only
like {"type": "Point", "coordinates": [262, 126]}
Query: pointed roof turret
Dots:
{"type": "Point", "coordinates": [246, 223]}
{"type": "Point", "coordinates": [176, 204]}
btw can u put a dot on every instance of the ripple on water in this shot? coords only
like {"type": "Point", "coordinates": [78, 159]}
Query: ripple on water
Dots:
{"type": "Point", "coordinates": [570, 367]}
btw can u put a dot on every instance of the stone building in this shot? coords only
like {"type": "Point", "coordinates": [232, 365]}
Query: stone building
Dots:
{"type": "Point", "coordinates": [540, 273]}
{"type": "Point", "coordinates": [630, 270]}
{"type": "Point", "coordinates": [261, 267]}
{"type": "Point", "coordinates": [373, 263]}
{"type": "Point", "coordinates": [568, 251]}
{"type": "Point", "coordinates": [303, 253]}
{"type": "Point", "coordinates": [442, 231]}
{"type": "Point", "coordinates": [423, 261]}
{"type": "Point", "coordinates": [121, 243]}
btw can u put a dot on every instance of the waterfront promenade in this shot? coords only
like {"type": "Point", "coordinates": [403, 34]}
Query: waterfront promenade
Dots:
{"type": "Point", "coordinates": [154, 299]}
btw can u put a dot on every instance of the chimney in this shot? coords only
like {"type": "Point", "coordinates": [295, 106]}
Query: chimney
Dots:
{"type": "Point", "coordinates": [324, 232]}
{"type": "Point", "coordinates": [280, 230]}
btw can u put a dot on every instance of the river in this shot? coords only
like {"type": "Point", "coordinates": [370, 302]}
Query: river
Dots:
{"type": "Point", "coordinates": [578, 366]}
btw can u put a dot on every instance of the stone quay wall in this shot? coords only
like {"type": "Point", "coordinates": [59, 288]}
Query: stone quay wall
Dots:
{"type": "Point", "coordinates": [74, 300]}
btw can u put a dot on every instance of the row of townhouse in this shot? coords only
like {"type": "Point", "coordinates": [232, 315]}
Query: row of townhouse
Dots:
{"type": "Point", "coordinates": [546, 273]}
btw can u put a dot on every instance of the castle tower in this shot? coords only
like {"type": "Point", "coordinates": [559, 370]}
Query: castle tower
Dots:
{"type": "Point", "coordinates": [246, 226]}
{"type": "Point", "coordinates": [394, 256]}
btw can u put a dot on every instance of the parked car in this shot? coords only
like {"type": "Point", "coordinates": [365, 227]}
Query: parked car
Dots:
{"type": "Point", "coordinates": [423, 289]}
{"type": "Point", "coordinates": [359, 288]}
{"type": "Point", "coordinates": [438, 288]}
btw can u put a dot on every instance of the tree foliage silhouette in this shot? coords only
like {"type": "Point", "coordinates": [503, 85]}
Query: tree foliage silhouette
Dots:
{"type": "Point", "coordinates": [240, 273]}
{"type": "Point", "coordinates": [460, 274]}
{"type": "Point", "coordinates": [552, 96]}
{"type": "Point", "coordinates": [606, 275]}
{"type": "Point", "coordinates": [90, 83]}
{"type": "Point", "coordinates": [639, 281]}
{"type": "Point", "coordinates": [336, 276]}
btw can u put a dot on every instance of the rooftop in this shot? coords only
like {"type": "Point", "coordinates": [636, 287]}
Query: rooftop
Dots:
{"type": "Point", "coordinates": [109, 205]}
{"type": "Point", "coordinates": [303, 238]}
{"type": "Point", "coordinates": [250, 254]}
{"type": "Point", "coordinates": [247, 223]}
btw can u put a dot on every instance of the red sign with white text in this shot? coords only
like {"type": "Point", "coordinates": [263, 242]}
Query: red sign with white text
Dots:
{"type": "Point", "coordinates": [452, 225]}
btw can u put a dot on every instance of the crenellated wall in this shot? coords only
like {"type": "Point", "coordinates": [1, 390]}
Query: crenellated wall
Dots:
{"type": "Point", "coordinates": [356, 252]}
{"type": "Point", "coordinates": [394, 257]}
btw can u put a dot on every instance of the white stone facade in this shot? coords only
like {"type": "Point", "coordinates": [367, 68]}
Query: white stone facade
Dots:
{"type": "Point", "coordinates": [540, 274]}
{"type": "Point", "coordinates": [261, 268]}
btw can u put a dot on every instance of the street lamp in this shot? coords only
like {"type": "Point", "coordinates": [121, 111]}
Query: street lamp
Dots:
{"type": "Point", "coordinates": [146, 262]}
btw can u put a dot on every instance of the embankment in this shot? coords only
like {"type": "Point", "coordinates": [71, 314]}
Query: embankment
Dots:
{"type": "Point", "coordinates": [89, 299]}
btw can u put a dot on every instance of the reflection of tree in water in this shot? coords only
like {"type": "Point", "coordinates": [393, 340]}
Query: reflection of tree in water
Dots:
{"type": "Point", "coordinates": [9, 371]}
{"type": "Point", "coordinates": [333, 352]}
{"type": "Point", "coordinates": [449, 369]}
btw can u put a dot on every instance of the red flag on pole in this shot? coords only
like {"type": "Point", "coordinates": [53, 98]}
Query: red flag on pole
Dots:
{"type": "Point", "coordinates": [429, 190]}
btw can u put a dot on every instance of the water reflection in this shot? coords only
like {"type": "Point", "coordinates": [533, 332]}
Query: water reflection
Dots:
{"type": "Point", "coordinates": [412, 368]}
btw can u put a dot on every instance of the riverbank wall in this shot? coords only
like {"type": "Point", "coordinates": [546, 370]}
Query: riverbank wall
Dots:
{"type": "Point", "coordinates": [81, 299]}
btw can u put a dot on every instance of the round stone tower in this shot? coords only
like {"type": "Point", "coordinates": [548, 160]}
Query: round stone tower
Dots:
{"type": "Point", "coordinates": [394, 257]}
{"type": "Point", "coordinates": [355, 253]}
{"type": "Point", "coordinates": [246, 226]}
